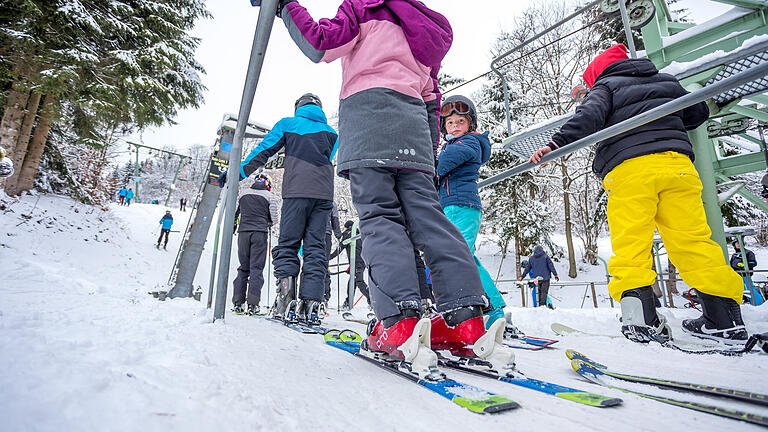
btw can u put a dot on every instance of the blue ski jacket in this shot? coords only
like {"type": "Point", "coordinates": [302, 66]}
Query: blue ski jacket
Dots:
{"type": "Point", "coordinates": [458, 167]}
{"type": "Point", "coordinates": [167, 221]}
{"type": "Point", "coordinates": [310, 146]}
{"type": "Point", "coordinates": [539, 264]}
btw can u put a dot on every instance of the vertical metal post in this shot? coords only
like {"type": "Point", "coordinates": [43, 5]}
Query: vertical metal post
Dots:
{"type": "Point", "coordinates": [659, 277]}
{"type": "Point", "coordinates": [594, 295]}
{"type": "Point", "coordinates": [173, 184]}
{"type": "Point", "coordinates": [352, 258]}
{"type": "Point", "coordinates": [747, 277]}
{"type": "Point", "coordinates": [215, 253]}
{"type": "Point", "coordinates": [704, 162]}
{"type": "Point", "coordinates": [269, 263]}
{"type": "Point", "coordinates": [627, 28]}
{"type": "Point", "coordinates": [136, 175]}
{"type": "Point", "coordinates": [258, 51]}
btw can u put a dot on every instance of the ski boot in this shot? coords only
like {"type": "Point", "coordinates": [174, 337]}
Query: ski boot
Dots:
{"type": "Point", "coordinates": [286, 291]}
{"type": "Point", "coordinates": [309, 311]}
{"type": "Point", "coordinates": [238, 309]}
{"type": "Point", "coordinates": [510, 330]}
{"type": "Point", "coordinates": [403, 339]}
{"type": "Point", "coordinates": [720, 321]}
{"type": "Point", "coordinates": [460, 335]}
{"type": "Point", "coordinates": [253, 309]}
{"type": "Point", "coordinates": [640, 322]}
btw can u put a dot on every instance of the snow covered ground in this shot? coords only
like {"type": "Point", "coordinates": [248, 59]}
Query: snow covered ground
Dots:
{"type": "Point", "coordinates": [83, 347]}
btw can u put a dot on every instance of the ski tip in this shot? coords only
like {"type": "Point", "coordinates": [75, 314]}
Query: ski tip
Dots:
{"type": "Point", "coordinates": [573, 354]}
{"type": "Point", "coordinates": [591, 399]}
{"type": "Point", "coordinates": [584, 368]}
{"type": "Point", "coordinates": [498, 408]}
{"type": "Point", "coordinates": [493, 404]}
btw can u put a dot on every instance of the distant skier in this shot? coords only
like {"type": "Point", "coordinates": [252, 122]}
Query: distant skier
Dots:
{"type": "Point", "coordinates": [255, 214]}
{"type": "Point", "coordinates": [737, 261]}
{"type": "Point", "coordinates": [390, 55]}
{"type": "Point", "coordinates": [310, 146]}
{"type": "Point", "coordinates": [540, 266]}
{"type": "Point", "coordinates": [6, 165]}
{"type": "Point", "coordinates": [166, 221]}
{"type": "Point", "coordinates": [128, 196]}
{"type": "Point", "coordinates": [459, 162]}
{"type": "Point", "coordinates": [334, 229]}
{"type": "Point", "coordinates": [121, 195]}
{"type": "Point", "coordinates": [183, 204]}
{"type": "Point", "coordinates": [651, 183]}
{"type": "Point", "coordinates": [359, 263]}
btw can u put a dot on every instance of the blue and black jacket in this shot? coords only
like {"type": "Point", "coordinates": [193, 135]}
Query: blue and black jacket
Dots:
{"type": "Point", "coordinates": [458, 167]}
{"type": "Point", "coordinates": [167, 221]}
{"type": "Point", "coordinates": [310, 146]}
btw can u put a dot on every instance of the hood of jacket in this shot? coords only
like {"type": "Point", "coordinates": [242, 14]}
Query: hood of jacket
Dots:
{"type": "Point", "coordinates": [485, 144]}
{"type": "Point", "coordinates": [428, 33]}
{"type": "Point", "coordinates": [311, 112]}
{"type": "Point", "coordinates": [538, 251]}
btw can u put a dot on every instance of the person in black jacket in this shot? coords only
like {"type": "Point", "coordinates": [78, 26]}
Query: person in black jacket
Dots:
{"type": "Point", "coordinates": [540, 266]}
{"type": "Point", "coordinates": [651, 184]}
{"type": "Point", "coordinates": [737, 261]}
{"type": "Point", "coordinates": [255, 214]}
{"type": "Point", "coordinates": [359, 263]}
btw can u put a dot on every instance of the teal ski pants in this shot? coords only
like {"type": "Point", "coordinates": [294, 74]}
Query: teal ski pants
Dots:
{"type": "Point", "coordinates": [468, 220]}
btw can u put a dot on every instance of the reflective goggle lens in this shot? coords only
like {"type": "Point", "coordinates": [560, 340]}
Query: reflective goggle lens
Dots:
{"type": "Point", "coordinates": [450, 107]}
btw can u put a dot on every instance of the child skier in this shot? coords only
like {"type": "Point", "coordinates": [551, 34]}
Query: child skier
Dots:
{"type": "Point", "coordinates": [651, 183]}
{"type": "Point", "coordinates": [388, 116]}
{"type": "Point", "coordinates": [459, 162]}
{"type": "Point", "coordinates": [166, 221]}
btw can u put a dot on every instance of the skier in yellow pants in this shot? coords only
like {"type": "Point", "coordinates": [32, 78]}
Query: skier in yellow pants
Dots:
{"type": "Point", "coordinates": [651, 183]}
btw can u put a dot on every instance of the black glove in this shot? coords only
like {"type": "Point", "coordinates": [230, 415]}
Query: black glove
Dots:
{"type": "Point", "coordinates": [222, 178]}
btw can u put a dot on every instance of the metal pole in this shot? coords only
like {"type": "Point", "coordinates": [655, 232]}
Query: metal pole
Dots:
{"type": "Point", "coordinates": [747, 278]}
{"type": "Point", "coordinates": [670, 107]}
{"type": "Point", "coordinates": [258, 50]}
{"type": "Point", "coordinates": [173, 183]}
{"type": "Point", "coordinates": [213, 259]}
{"type": "Point", "coordinates": [352, 258]}
{"type": "Point", "coordinates": [627, 29]}
{"type": "Point", "coordinates": [269, 263]}
{"type": "Point", "coordinates": [660, 278]}
{"type": "Point", "coordinates": [136, 175]}
{"type": "Point", "coordinates": [594, 295]}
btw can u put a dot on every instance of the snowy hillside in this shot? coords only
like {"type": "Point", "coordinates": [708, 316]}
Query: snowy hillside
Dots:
{"type": "Point", "coordinates": [83, 347]}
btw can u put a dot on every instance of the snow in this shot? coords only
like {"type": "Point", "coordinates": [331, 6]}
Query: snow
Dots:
{"type": "Point", "coordinates": [734, 13]}
{"type": "Point", "coordinates": [677, 68]}
{"type": "Point", "coordinates": [83, 347]}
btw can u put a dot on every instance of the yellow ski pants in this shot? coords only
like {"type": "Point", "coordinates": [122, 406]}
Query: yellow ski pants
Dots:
{"type": "Point", "coordinates": [663, 191]}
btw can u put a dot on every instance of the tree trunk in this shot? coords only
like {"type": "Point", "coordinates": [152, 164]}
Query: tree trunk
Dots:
{"type": "Point", "coordinates": [568, 225]}
{"type": "Point", "coordinates": [36, 147]}
{"type": "Point", "coordinates": [20, 151]}
{"type": "Point", "coordinates": [672, 278]}
{"type": "Point", "coordinates": [10, 124]}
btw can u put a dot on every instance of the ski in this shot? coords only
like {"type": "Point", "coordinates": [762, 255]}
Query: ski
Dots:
{"type": "Point", "coordinates": [470, 397]}
{"type": "Point", "coordinates": [741, 395]}
{"type": "Point", "coordinates": [297, 326]}
{"type": "Point", "coordinates": [572, 394]}
{"type": "Point", "coordinates": [754, 340]}
{"type": "Point", "coordinates": [597, 376]}
{"type": "Point", "coordinates": [349, 317]}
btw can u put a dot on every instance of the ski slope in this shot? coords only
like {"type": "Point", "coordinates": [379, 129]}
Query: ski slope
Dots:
{"type": "Point", "coordinates": [83, 347]}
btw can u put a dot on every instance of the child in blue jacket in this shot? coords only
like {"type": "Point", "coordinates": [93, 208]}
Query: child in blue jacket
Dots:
{"type": "Point", "coordinates": [459, 162]}
{"type": "Point", "coordinates": [166, 221]}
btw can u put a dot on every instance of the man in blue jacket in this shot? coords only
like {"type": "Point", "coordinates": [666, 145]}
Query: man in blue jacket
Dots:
{"type": "Point", "coordinates": [166, 221]}
{"type": "Point", "coordinates": [540, 265]}
{"type": "Point", "coordinates": [310, 145]}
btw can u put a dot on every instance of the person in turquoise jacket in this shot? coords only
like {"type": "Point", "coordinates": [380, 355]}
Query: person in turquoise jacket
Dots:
{"type": "Point", "coordinates": [459, 162]}
{"type": "Point", "coordinates": [166, 221]}
{"type": "Point", "coordinates": [128, 197]}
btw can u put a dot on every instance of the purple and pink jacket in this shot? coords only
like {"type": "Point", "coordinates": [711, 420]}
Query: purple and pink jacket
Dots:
{"type": "Point", "coordinates": [390, 53]}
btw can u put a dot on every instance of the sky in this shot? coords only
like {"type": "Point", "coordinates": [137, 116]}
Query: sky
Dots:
{"type": "Point", "coordinates": [286, 74]}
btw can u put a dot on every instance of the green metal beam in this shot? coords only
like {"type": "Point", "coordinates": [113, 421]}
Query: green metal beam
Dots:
{"type": "Point", "coordinates": [740, 164]}
{"type": "Point", "coordinates": [761, 98]}
{"type": "Point", "coordinates": [677, 27]}
{"type": "Point", "coordinates": [749, 196]}
{"type": "Point", "coordinates": [749, 4]}
{"type": "Point", "coordinates": [750, 112]}
{"type": "Point", "coordinates": [734, 143]}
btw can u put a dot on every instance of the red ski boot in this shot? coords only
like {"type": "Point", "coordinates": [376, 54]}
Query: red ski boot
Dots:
{"type": "Point", "coordinates": [460, 336]}
{"type": "Point", "coordinates": [403, 337]}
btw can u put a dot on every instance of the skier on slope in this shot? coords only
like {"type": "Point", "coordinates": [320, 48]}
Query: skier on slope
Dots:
{"type": "Point", "coordinates": [256, 212]}
{"type": "Point", "coordinates": [310, 145]}
{"type": "Point", "coordinates": [389, 127]}
{"type": "Point", "coordinates": [652, 184]}
{"type": "Point", "coordinates": [540, 266]}
{"type": "Point", "coordinates": [166, 221]}
{"type": "Point", "coordinates": [464, 152]}
{"type": "Point", "coordinates": [128, 196]}
{"type": "Point", "coordinates": [121, 195]}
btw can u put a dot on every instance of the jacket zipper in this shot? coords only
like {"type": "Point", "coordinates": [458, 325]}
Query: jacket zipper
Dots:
{"type": "Point", "coordinates": [447, 188]}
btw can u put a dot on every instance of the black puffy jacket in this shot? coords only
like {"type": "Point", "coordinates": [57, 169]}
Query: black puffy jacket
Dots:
{"type": "Point", "coordinates": [623, 90]}
{"type": "Point", "coordinates": [256, 209]}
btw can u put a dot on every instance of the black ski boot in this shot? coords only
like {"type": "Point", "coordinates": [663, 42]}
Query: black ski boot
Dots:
{"type": "Point", "coordinates": [639, 320]}
{"type": "Point", "coordinates": [720, 321]}
{"type": "Point", "coordinates": [286, 292]}
{"type": "Point", "coordinates": [238, 309]}
{"type": "Point", "coordinates": [310, 311]}
{"type": "Point", "coordinates": [253, 309]}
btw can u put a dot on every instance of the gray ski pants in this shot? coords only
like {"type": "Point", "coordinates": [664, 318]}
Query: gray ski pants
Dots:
{"type": "Point", "coordinates": [399, 210]}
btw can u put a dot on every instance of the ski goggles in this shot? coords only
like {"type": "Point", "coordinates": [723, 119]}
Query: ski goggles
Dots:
{"type": "Point", "coordinates": [457, 107]}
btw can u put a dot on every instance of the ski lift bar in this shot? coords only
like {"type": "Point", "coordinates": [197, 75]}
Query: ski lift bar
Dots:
{"type": "Point", "coordinates": [668, 108]}
{"type": "Point", "coordinates": [524, 44]}
{"type": "Point", "coordinates": [258, 50]}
